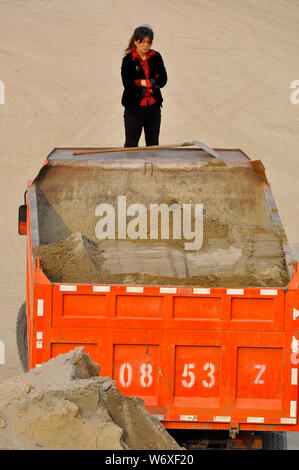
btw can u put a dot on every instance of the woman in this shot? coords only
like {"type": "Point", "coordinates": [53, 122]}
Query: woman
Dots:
{"type": "Point", "coordinates": [143, 74]}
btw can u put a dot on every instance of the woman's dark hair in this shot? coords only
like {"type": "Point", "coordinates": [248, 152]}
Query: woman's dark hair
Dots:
{"type": "Point", "coordinates": [139, 34]}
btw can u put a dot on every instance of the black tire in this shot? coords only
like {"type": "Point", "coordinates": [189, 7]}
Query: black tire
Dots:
{"type": "Point", "coordinates": [21, 333]}
{"type": "Point", "coordinates": [275, 440]}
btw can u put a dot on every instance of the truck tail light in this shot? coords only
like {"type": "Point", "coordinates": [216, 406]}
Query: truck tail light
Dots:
{"type": "Point", "coordinates": [23, 220]}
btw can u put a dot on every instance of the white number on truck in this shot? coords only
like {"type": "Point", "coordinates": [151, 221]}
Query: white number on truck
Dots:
{"type": "Point", "coordinates": [122, 370]}
{"type": "Point", "coordinates": [262, 369]}
{"type": "Point", "coordinates": [126, 375]}
{"type": "Point", "coordinates": [146, 377]}
{"type": "Point", "coordinates": [211, 376]}
{"type": "Point", "coordinates": [146, 372]}
{"type": "Point", "coordinates": [188, 373]}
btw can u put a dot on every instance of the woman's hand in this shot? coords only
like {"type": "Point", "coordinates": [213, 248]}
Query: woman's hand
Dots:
{"type": "Point", "coordinates": [143, 82]}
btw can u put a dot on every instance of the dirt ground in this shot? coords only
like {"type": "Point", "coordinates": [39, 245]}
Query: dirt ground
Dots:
{"type": "Point", "coordinates": [230, 67]}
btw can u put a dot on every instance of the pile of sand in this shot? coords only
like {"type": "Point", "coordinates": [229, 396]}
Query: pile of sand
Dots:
{"type": "Point", "coordinates": [75, 259]}
{"type": "Point", "coordinates": [247, 256]}
{"type": "Point", "coordinates": [66, 405]}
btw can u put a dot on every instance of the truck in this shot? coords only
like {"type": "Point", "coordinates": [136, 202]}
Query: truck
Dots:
{"type": "Point", "coordinates": [170, 265]}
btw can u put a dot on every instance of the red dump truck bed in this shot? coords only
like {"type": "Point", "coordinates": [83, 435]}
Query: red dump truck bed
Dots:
{"type": "Point", "coordinates": [201, 357]}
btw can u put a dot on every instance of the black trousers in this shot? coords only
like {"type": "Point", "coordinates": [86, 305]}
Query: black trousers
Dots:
{"type": "Point", "coordinates": [147, 117]}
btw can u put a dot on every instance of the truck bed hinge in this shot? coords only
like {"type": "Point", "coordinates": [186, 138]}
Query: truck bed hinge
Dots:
{"type": "Point", "coordinates": [234, 430]}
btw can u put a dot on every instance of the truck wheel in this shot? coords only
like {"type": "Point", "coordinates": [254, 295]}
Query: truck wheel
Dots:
{"type": "Point", "coordinates": [21, 333]}
{"type": "Point", "coordinates": [275, 440]}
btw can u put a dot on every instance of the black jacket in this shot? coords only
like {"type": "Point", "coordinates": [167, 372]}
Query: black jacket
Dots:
{"type": "Point", "coordinates": [131, 70]}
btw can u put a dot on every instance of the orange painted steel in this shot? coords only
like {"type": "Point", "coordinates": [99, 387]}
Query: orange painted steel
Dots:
{"type": "Point", "coordinates": [199, 358]}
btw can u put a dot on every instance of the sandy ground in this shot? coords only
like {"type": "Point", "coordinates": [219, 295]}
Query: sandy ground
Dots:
{"type": "Point", "coordinates": [230, 66]}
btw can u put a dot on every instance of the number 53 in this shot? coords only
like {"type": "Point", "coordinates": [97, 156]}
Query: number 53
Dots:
{"type": "Point", "coordinates": [188, 373]}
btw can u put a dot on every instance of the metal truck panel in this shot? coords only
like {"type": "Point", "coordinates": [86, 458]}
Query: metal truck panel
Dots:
{"type": "Point", "coordinates": [242, 371]}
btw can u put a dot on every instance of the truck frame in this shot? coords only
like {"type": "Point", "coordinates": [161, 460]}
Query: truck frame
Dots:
{"type": "Point", "coordinates": [202, 358]}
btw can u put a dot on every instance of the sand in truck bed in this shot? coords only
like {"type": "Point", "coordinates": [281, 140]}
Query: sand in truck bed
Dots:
{"type": "Point", "coordinates": [247, 256]}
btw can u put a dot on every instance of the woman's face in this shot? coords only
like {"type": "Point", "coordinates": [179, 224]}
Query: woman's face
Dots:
{"type": "Point", "coordinates": [143, 46]}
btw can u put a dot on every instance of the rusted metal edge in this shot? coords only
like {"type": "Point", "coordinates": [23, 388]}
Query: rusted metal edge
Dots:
{"type": "Point", "coordinates": [258, 167]}
{"type": "Point", "coordinates": [128, 164]}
